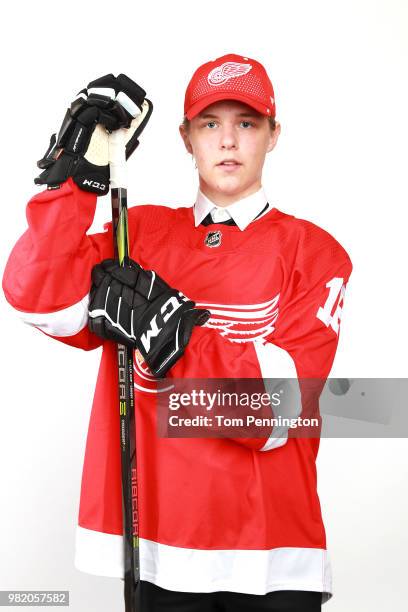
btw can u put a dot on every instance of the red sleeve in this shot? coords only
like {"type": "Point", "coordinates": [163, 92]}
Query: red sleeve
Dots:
{"type": "Point", "coordinates": [48, 273]}
{"type": "Point", "coordinates": [210, 355]}
{"type": "Point", "coordinates": [308, 324]}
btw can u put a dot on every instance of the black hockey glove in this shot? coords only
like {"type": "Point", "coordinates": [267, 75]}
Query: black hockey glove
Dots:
{"type": "Point", "coordinates": [81, 149]}
{"type": "Point", "coordinates": [137, 308]}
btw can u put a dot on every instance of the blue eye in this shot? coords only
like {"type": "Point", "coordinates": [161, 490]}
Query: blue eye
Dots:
{"type": "Point", "coordinates": [210, 124]}
{"type": "Point", "coordinates": [246, 124]}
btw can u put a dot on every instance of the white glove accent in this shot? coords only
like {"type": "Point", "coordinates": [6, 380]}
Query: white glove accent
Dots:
{"type": "Point", "coordinates": [98, 149]}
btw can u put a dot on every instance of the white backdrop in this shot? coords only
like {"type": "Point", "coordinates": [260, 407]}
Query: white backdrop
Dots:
{"type": "Point", "coordinates": [340, 75]}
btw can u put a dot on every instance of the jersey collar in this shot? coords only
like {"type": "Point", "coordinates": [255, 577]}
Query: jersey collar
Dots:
{"type": "Point", "coordinates": [242, 211]}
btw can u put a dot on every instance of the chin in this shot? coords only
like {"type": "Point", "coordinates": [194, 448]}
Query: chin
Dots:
{"type": "Point", "coordinates": [230, 187]}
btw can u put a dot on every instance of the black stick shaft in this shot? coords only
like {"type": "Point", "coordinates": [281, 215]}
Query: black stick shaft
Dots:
{"type": "Point", "coordinates": [127, 423]}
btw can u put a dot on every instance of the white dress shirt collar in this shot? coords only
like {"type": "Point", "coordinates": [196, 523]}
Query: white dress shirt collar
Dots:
{"type": "Point", "coordinates": [242, 211]}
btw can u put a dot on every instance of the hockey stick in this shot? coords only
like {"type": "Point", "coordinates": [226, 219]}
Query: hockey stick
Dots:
{"type": "Point", "coordinates": [117, 161]}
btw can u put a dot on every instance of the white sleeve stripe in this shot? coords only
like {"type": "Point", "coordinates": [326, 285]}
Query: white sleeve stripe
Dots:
{"type": "Point", "coordinates": [62, 323]}
{"type": "Point", "coordinates": [273, 442]}
{"type": "Point", "coordinates": [275, 363]}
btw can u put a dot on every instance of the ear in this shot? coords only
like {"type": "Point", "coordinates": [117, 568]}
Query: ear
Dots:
{"type": "Point", "coordinates": [273, 138]}
{"type": "Point", "coordinates": [186, 139]}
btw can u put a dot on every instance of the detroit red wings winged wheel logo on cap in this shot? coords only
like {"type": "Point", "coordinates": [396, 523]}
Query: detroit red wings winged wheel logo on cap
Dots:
{"type": "Point", "coordinates": [227, 70]}
{"type": "Point", "coordinates": [230, 77]}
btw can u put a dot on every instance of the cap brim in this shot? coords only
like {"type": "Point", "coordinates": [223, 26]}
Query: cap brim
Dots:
{"type": "Point", "coordinates": [201, 104]}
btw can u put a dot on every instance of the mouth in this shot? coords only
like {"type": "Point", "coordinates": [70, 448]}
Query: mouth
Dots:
{"type": "Point", "coordinates": [229, 164]}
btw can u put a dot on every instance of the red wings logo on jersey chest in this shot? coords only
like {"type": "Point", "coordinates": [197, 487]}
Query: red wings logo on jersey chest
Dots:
{"type": "Point", "coordinates": [243, 322]}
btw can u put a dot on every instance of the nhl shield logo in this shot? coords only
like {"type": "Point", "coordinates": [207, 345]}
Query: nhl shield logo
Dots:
{"type": "Point", "coordinates": [213, 239]}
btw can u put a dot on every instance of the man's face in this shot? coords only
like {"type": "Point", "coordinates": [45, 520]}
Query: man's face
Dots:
{"type": "Point", "coordinates": [229, 141]}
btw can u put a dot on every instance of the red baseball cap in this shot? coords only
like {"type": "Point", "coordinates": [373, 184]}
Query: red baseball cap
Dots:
{"type": "Point", "coordinates": [230, 77]}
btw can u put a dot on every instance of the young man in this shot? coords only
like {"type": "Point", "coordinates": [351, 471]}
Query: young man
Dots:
{"type": "Point", "coordinates": [225, 523]}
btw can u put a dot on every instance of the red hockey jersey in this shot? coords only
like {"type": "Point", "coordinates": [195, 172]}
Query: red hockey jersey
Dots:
{"type": "Point", "coordinates": [239, 514]}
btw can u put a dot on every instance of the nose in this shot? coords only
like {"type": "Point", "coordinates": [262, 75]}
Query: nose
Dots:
{"type": "Point", "coordinates": [228, 137]}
